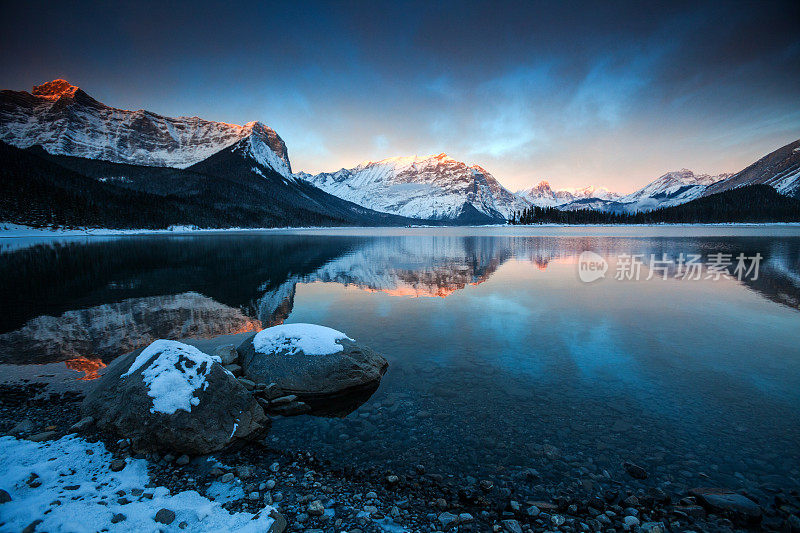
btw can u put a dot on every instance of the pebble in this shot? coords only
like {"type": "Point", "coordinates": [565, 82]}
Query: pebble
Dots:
{"type": "Point", "coordinates": [630, 522]}
{"type": "Point", "coordinates": [182, 460]}
{"type": "Point", "coordinates": [234, 369]}
{"type": "Point", "coordinates": [117, 465]}
{"type": "Point", "coordinates": [43, 436]}
{"type": "Point", "coordinates": [512, 526]}
{"type": "Point", "coordinates": [447, 519]}
{"type": "Point", "coordinates": [316, 508]}
{"type": "Point", "coordinates": [291, 398]}
{"type": "Point", "coordinates": [118, 517]}
{"type": "Point", "coordinates": [634, 470]}
{"type": "Point", "coordinates": [82, 425]}
{"type": "Point", "coordinates": [165, 516]}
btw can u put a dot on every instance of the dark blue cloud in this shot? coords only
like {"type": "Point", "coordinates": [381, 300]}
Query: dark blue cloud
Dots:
{"type": "Point", "coordinates": [612, 93]}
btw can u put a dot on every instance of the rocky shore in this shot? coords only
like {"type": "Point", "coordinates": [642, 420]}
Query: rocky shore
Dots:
{"type": "Point", "coordinates": [275, 488]}
{"type": "Point", "coordinates": [310, 495]}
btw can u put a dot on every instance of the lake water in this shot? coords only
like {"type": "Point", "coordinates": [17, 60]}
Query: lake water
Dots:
{"type": "Point", "coordinates": [501, 357]}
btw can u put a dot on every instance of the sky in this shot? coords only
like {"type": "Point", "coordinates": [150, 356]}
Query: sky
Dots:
{"type": "Point", "coordinates": [609, 94]}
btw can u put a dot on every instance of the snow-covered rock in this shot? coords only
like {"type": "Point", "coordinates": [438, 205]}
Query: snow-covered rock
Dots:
{"type": "Point", "coordinates": [292, 339]}
{"type": "Point", "coordinates": [334, 364]}
{"type": "Point", "coordinates": [435, 187]}
{"type": "Point", "coordinates": [65, 120]}
{"type": "Point", "coordinates": [76, 474]}
{"type": "Point", "coordinates": [171, 396]}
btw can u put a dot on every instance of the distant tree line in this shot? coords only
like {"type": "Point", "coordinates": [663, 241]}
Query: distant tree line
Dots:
{"type": "Point", "coordinates": [754, 203]}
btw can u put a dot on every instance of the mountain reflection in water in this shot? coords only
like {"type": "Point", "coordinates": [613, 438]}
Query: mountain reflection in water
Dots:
{"type": "Point", "coordinates": [100, 300]}
{"type": "Point", "coordinates": [499, 356]}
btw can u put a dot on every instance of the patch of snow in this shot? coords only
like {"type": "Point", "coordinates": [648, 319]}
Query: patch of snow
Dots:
{"type": "Point", "coordinates": [311, 339]}
{"type": "Point", "coordinates": [225, 492]}
{"type": "Point", "coordinates": [173, 376]}
{"type": "Point", "coordinates": [76, 473]}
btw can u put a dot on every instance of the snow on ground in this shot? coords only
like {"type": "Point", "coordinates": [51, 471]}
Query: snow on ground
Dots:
{"type": "Point", "coordinates": [172, 381]}
{"type": "Point", "coordinates": [79, 493]}
{"type": "Point", "coordinates": [311, 339]}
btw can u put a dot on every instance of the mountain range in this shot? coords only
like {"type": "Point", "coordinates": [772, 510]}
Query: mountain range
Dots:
{"type": "Point", "coordinates": [68, 159]}
{"type": "Point", "coordinates": [436, 187]}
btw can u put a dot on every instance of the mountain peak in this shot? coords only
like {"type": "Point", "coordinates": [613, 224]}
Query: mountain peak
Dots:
{"type": "Point", "coordinates": [55, 89]}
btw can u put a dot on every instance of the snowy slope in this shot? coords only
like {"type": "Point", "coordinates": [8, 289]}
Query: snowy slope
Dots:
{"type": "Point", "coordinates": [673, 188]}
{"type": "Point", "coordinates": [437, 187]}
{"type": "Point", "coordinates": [543, 195]}
{"type": "Point", "coordinates": [779, 169]}
{"type": "Point", "coordinates": [64, 120]}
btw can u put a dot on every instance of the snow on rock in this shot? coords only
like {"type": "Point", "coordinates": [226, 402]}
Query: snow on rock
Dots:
{"type": "Point", "coordinates": [173, 376]}
{"type": "Point", "coordinates": [64, 120]}
{"type": "Point", "coordinates": [76, 473]}
{"type": "Point", "coordinates": [173, 397]}
{"type": "Point", "coordinates": [290, 339]}
{"type": "Point", "coordinates": [320, 365]}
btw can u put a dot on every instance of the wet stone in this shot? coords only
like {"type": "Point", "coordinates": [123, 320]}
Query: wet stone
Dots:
{"type": "Point", "coordinates": [165, 516]}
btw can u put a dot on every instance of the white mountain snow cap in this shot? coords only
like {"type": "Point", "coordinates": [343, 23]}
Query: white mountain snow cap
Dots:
{"type": "Point", "coordinates": [64, 120]}
{"type": "Point", "coordinates": [172, 381]}
{"type": "Point", "coordinates": [290, 339]}
{"type": "Point", "coordinates": [260, 139]}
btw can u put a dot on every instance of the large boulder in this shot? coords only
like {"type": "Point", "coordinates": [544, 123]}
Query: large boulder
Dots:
{"type": "Point", "coordinates": [313, 362]}
{"type": "Point", "coordinates": [171, 396]}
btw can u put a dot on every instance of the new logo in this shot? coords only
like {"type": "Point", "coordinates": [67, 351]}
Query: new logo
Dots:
{"type": "Point", "coordinates": [591, 267]}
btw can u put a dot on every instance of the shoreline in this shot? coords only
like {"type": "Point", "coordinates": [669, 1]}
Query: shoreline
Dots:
{"type": "Point", "coordinates": [311, 494]}
{"type": "Point", "coordinates": [16, 231]}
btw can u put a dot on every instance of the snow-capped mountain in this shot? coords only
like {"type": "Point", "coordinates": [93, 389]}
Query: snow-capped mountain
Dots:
{"type": "Point", "coordinates": [66, 143]}
{"type": "Point", "coordinates": [673, 188]}
{"type": "Point", "coordinates": [779, 169]}
{"type": "Point", "coordinates": [64, 120]}
{"type": "Point", "coordinates": [435, 187]}
{"type": "Point", "coordinates": [543, 195]}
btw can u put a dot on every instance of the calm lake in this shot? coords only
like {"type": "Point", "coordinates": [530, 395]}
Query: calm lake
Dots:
{"type": "Point", "coordinates": [501, 357]}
